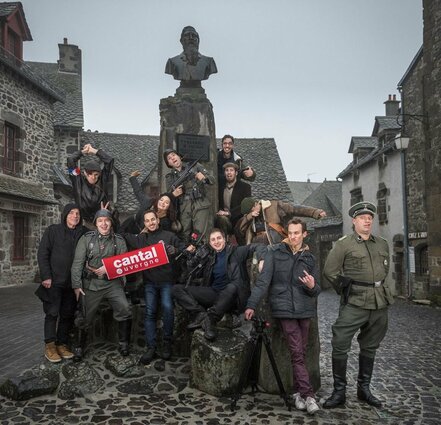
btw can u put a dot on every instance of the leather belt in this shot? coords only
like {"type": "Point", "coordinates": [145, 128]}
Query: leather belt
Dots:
{"type": "Point", "coordinates": [368, 284]}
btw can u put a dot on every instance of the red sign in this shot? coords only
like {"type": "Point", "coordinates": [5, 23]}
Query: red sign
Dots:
{"type": "Point", "coordinates": [136, 261]}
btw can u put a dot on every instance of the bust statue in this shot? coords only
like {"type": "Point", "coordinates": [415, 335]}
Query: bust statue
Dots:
{"type": "Point", "coordinates": [190, 67]}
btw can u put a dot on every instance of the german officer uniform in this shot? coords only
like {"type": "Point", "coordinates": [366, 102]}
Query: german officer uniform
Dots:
{"type": "Point", "coordinates": [357, 269]}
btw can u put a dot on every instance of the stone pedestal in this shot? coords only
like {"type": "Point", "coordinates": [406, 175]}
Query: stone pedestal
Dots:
{"type": "Point", "coordinates": [188, 112]}
{"type": "Point", "coordinates": [216, 366]}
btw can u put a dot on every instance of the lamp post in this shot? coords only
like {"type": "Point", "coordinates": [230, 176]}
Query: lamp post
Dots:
{"type": "Point", "coordinates": [401, 144]}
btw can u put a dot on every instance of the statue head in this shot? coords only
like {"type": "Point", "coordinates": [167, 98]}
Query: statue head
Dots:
{"type": "Point", "coordinates": [189, 38]}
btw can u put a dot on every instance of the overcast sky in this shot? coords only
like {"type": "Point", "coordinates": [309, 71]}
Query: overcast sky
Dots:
{"type": "Point", "coordinates": [309, 73]}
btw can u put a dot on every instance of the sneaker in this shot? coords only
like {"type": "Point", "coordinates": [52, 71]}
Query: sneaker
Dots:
{"type": "Point", "coordinates": [148, 356]}
{"type": "Point", "coordinates": [64, 352]}
{"type": "Point", "coordinates": [51, 353]}
{"type": "Point", "coordinates": [299, 402]}
{"type": "Point", "coordinates": [311, 405]}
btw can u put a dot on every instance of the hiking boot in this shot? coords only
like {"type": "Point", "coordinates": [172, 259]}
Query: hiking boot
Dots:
{"type": "Point", "coordinates": [299, 402]}
{"type": "Point", "coordinates": [51, 353]}
{"type": "Point", "coordinates": [148, 356]}
{"type": "Point", "coordinates": [197, 321]}
{"type": "Point", "coordinates": [64, 352]}
{"type": "Point", "coordinates": [311, 405]}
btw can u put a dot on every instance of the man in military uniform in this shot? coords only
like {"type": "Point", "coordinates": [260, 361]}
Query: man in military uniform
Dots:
{"type": "Point", "coordinates": [90, 280]}
{"type": "Point", "coordinates": [194, 205]}
{"type": "Point", "coordinates": [357, 267]}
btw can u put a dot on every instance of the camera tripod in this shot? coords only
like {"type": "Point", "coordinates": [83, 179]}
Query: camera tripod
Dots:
{"type": "Point", "coordinates": [250, 372]}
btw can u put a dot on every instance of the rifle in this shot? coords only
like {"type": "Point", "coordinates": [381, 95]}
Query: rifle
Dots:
{"type": "Point", "coordinates": [185, 175]}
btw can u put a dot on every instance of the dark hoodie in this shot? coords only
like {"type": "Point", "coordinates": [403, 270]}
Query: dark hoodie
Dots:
{"type": "Point", "coordinates": [57, 249]}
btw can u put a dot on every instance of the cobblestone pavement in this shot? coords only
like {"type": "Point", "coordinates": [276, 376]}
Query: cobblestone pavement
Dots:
{"type": "Point", "coordinates": [407, 377]}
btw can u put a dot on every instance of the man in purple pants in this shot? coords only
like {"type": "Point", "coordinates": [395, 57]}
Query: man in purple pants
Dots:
{"type": "Point", "coordinates": [290, 273]}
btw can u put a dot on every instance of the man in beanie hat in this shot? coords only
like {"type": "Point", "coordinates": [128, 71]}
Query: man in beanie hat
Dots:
{"type": "Point", "coordinates": [90, 280]}
{"type": "Point", "coordinates": [231, 194]}
{"type": "Point", "coordinates": [263, 220]}
{"type": "Point", "coordinates": [90, 185]}
{"type": "Point", "coordinates": [55, 256]}
{"type": "Point", "coordinates": [357, 267]}
{"type": "Point", "coordinates": [194, 205]}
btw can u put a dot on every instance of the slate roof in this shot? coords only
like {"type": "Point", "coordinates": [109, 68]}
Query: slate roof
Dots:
{"type": "Point", "coordinates": [263, 156]}
{"type": "Point", "coordinates": [140, 152]}
{"type": "Point", "coordinates": [386, 123]}
{"type": "Point", "coordinates": [328, 197]}
{"type": "Point", "coordinates": [70, 113]}
{"type": "Point", "coordinates": [418, 57]}
{"type": "Point", "coordinates": [7, 8]}
{"type": "Point", "coordinates": [360, 142]}
{"type": "Point", "coordinates": [301, 190]}
{"type": "Point", "coordinates": [131, 152]}
{"type": "Point", "coordinates": [24, 189]}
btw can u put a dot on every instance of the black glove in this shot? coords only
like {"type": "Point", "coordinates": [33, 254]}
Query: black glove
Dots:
{"type": "Point", "coordinates": [344, 287]}
{"type": "Point", "coordinates": [170, 249]}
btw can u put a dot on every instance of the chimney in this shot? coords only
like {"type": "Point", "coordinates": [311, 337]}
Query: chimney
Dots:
{"type": "Point", "coordinates": [70, 58]}
{"type": "Point", "coordinates": [392, 106]}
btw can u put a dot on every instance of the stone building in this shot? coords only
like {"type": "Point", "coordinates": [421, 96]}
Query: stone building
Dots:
{"type": "Point", "coordinates": [420, 89]}
{"type": "Point", "coordinates": [375, 174]}
{"type": "Point", "coordinates": [27, 151]}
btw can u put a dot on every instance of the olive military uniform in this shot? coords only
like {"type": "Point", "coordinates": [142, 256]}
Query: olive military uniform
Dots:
{"type": "Point", "coordinates": [357, 268]}
{"type": "Point", "coordinates": [92, 248]}
{"type": "Point", "coordinates": [364, 262]}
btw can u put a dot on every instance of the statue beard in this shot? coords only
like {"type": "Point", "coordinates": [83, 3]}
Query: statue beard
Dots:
{"type": "Point", "coordinates": [192, 54]}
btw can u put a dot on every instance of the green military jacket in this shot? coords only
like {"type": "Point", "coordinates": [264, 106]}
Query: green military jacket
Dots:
{"type": "Point", "coordinates": [91, 249]}
{"type": "Point", "coordinates": [363, 261]}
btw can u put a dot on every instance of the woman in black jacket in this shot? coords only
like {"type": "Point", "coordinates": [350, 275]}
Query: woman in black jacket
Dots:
{"type": "Point", "coordinates": [290, 275]}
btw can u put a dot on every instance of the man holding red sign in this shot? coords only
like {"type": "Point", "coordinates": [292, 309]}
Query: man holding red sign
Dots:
{"type": "Point", "coordinates": [158, 283]}
{"type": "Point", "coordinates": [89, 279]}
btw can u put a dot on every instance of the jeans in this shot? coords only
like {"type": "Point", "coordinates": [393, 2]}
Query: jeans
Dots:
{"type": "Point", "coordinates": [59, 314]}
{"type": "Point", "coordinates": [151, 292]}
{"type": "Point", "coordinates": [296, 332]}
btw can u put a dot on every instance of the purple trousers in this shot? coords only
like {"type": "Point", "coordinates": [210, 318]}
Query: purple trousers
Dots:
{"type": "Point", "coordinates": [296, 332]}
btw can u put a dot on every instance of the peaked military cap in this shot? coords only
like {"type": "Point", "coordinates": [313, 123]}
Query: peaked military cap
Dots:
{"type": "Point", "coordinates": [362, 208]}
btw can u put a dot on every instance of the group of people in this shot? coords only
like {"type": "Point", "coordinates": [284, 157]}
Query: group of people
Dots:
{"type": "Point", "coordinates": [216, 277]}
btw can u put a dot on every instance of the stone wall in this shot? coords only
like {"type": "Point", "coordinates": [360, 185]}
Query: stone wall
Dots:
{"type": "Point", "coordinates": [432, 92]}
{"type": "Point", "coordinates": [30, 111]}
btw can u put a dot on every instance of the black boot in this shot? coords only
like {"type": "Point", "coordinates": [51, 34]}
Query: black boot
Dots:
{"type": "Point", "coordinates": [197, 321]}
{"type": "Point", "coordinates": [338, 396]}
{"type": "Point", "coordinates": [80, 345]}
{"type": "Point", "coordinates": [166, 350]}
{"type": "Point", "coordinates": [209, 327]}
{"type": "Point", "coordinates": [124, 331]}
{"type": "Point", "coordinates": [366, 366]}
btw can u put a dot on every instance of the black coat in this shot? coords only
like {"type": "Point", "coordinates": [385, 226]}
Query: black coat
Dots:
{"type": "Point", "coordinates": [163, 273]}
{"type": "Point", "coordinates": [57, 248]}
{"type": "Point", "coordinates": [241, 190]}
{"type": "Point", "coordinates": [89, 197]}
{"type": "Point", "coordinates": [288, 297]}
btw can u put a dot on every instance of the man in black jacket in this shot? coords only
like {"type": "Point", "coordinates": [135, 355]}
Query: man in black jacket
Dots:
{"type": "Point", "coordinates": [225, 284]}
{"type": "Point", "coordinates": [90, 186]}
{"type": "Point", "coordinates": [290, 276]}
{"type": "Point", "coordinates": [55, 256]}
{"type": "Point", "coordinates": [158, 283]}
{"type": "Point", "coordinates": [231, 194]}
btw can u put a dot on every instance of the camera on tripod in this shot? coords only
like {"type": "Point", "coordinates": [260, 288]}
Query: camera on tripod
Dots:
{"type": "Point", "coordinates": [260, 324]}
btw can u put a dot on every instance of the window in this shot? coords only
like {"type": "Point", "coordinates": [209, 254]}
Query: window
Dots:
{"type": "Point", "coordinates": [382, 206]}
{"type": "Point", "coordinates": [19, 248]}
{"type": "Point", "coordinates": [9, 153]}
{"type": "Point", "coordinates": [356, 195]}
{"type": "Point", "coordinates": [422, 261]}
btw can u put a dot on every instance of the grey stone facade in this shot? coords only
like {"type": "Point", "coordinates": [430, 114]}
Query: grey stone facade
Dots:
{"type": "Point", "coordinates": [432, 103]}
{"type": "Point", "coordinates": [26, 193]}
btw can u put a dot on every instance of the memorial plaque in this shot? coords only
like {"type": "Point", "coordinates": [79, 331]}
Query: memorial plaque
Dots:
{"type": "Point", "coordinates": [193, 146]}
